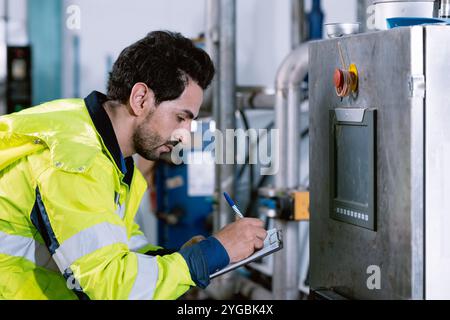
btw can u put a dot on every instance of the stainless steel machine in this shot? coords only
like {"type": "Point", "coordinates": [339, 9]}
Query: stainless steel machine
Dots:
{"type": "Point", "coordinates": [380, 164]}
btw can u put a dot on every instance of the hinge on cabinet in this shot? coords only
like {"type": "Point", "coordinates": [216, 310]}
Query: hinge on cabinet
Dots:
{"type": "Point", "coordinates": [416, 85]}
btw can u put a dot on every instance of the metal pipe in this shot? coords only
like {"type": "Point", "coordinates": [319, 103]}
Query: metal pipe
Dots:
{"type": "Point", "coordinates": [6, 19]}
{"type": "Point", "coordinates": [285, 264]}
{"type": "Point", "coordinates": [255, 98]}
{"type": "Point", "coordinates": [289, 77]}
{"type": "Point", "coordinates": [252, 290]}
{"type": "Point", "coordinates": [212, 47]}
{"type": "Point", "coordinates": [444, 9]}
{"type": "Point", "coordinates": [227, 288]}
{"type": "Point", "coordinates": [221, 45]}
{"type": "Point", "coordinates": [227, 112]}
{"type": "Point", "coordinates": [227, 76]}
{"type": "Point", "coordinates": [293, 137]}
{"type": "Point", "coordinates": [279, 159]}
{"type": "Point", "coordinates": [212, 42]}
{"type": "Point", "coordinates": [298, 32]}
{"type": "Point", "coordinates": [288, 97]}
{"type": "Point", "coordinates": [362, 6]}
{"type": "Point", "coordinates": [296, 78]}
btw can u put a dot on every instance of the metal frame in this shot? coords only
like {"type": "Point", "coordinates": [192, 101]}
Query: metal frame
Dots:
{"type": "Point", "coordinates": [391, 66]}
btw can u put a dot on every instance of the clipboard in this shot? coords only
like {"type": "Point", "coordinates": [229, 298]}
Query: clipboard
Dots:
{"type": "Point", "coordinates": [272, 243]}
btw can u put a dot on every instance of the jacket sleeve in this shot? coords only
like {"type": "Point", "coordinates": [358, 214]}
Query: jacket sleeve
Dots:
{"type": "Point", "coordinates": [75, 214]}
{"type": "Point", "coordinates": [139, 242]}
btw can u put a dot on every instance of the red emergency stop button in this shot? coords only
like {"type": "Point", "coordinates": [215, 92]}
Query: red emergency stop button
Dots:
{"type": "Point", "coordinates": [338, 78]}
{"type": "Point", "coordinates": [346, 81]}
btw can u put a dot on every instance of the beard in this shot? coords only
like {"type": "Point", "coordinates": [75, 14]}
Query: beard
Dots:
{"type": "Point", "coordinates": [146, 143]}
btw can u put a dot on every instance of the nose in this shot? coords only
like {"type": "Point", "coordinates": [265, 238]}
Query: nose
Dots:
{"type": "Point", "coordinates": [182, 135]}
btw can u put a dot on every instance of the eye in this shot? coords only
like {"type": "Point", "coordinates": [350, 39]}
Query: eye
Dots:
{"type": "Point", "coordinates": [180, 119]}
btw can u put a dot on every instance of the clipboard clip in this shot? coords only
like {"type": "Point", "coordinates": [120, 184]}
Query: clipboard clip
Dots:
{"type": "Point", "coordinates": [279, 238]}
{"type": "Point", "coordinates": [276, 237]}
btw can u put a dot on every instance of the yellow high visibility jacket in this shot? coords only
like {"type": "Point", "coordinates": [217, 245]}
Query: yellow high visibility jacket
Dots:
{"type": "Point", "coordinates": [67, 225]}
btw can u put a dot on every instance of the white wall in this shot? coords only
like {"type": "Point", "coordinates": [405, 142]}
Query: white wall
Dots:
{"type": "Point", "coordinates": [17, 18]}
{"type": "Point", "coordinates": [337, 10]}
{"type": "Point", "coordinates": [263, 40]}
{"type": "Point", "coordinates": [108, 26]}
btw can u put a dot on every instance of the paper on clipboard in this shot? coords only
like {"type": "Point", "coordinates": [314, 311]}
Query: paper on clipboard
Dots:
{"type": "Point", "coordinates": [272, 243]}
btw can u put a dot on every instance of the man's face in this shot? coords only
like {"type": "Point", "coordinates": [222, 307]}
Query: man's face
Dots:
{"type": "Point", "coordinates": [157, 134]}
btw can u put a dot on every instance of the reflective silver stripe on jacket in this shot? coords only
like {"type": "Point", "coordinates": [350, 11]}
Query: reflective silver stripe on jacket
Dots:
{"type": "Point", "coordinates": [28, 248]}
{"type": "Point", "coordinates": [88, 241]}
{"type": "Point", "coordinates": [147, 276]}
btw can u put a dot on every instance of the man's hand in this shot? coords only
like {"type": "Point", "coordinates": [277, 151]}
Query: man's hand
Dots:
{"type": "Point", "coordinates": [193, 241]}
{"type": "Point", "coordinates": [241, 238]}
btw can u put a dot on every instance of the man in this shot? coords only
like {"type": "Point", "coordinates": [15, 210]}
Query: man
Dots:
{"type": "Point", "coordinates": [69, 189]}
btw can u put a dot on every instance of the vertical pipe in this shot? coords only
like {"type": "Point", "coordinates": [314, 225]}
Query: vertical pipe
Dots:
{"type": "Point", "coordinates": [444, 9]}
{"type": "Point", "coordinates": [289, 78]}
{"type": "Point", "coordinates": [285, 266]}
{"type": "Point", "coordinates": [227, 76]}
{"type": "Point", "coordinates": [224, 110]}
{"type": "Point", "coordinates": [298, 32]}
{"type": "Point", "coordinates": [76, 66]}
{"type": "Point", "coordinates": [6, 21]}
{"type": "Point", "coordinates": [362, 6]}
{"type": "Point", "coordinates": [293, 137]}
{"type": "Point", "coordinates": [285, 277]}
{"type": "Point", "coordinates": [280, 125]}
{"type": "Point", "coordinates": [213, 48]}
{"type": "Point", "coordinates": [315, 21]}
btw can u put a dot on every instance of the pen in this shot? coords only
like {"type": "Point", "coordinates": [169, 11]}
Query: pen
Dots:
{"type": "Point", "coordinates": [233, 206]}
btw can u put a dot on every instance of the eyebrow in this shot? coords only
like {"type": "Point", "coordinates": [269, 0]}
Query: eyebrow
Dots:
{"type": "Point", "coordinates": [189, 114]}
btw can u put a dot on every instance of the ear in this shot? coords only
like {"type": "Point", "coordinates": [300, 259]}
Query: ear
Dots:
{"type": "Point", "coordinates": [142, 99]}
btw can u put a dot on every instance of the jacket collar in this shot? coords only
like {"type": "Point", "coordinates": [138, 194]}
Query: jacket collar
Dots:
{"type": "Point", "coordinates": [94, 104]}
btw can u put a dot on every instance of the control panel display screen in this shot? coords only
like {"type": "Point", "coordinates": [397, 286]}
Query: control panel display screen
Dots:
{"type": "Point", "coordinates": [352, 164]}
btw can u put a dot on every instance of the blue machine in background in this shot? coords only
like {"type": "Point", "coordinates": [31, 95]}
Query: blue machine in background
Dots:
{"type": "Point", "coordinates": [184, 196]}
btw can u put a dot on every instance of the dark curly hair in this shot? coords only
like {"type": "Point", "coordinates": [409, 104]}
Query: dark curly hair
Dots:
{"type": "Point", "coordinates": [162, 60]}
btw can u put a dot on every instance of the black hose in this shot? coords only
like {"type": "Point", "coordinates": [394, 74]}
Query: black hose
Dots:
{"type": "Point", "coordinates": [262, 181]}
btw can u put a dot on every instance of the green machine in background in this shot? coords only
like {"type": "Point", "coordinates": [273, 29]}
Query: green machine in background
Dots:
{"type": "Point", "coordinates": [45, 33]}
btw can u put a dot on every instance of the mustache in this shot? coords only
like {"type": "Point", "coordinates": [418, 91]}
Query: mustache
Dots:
{"type": "Point", "coordinates": [172, 143]}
